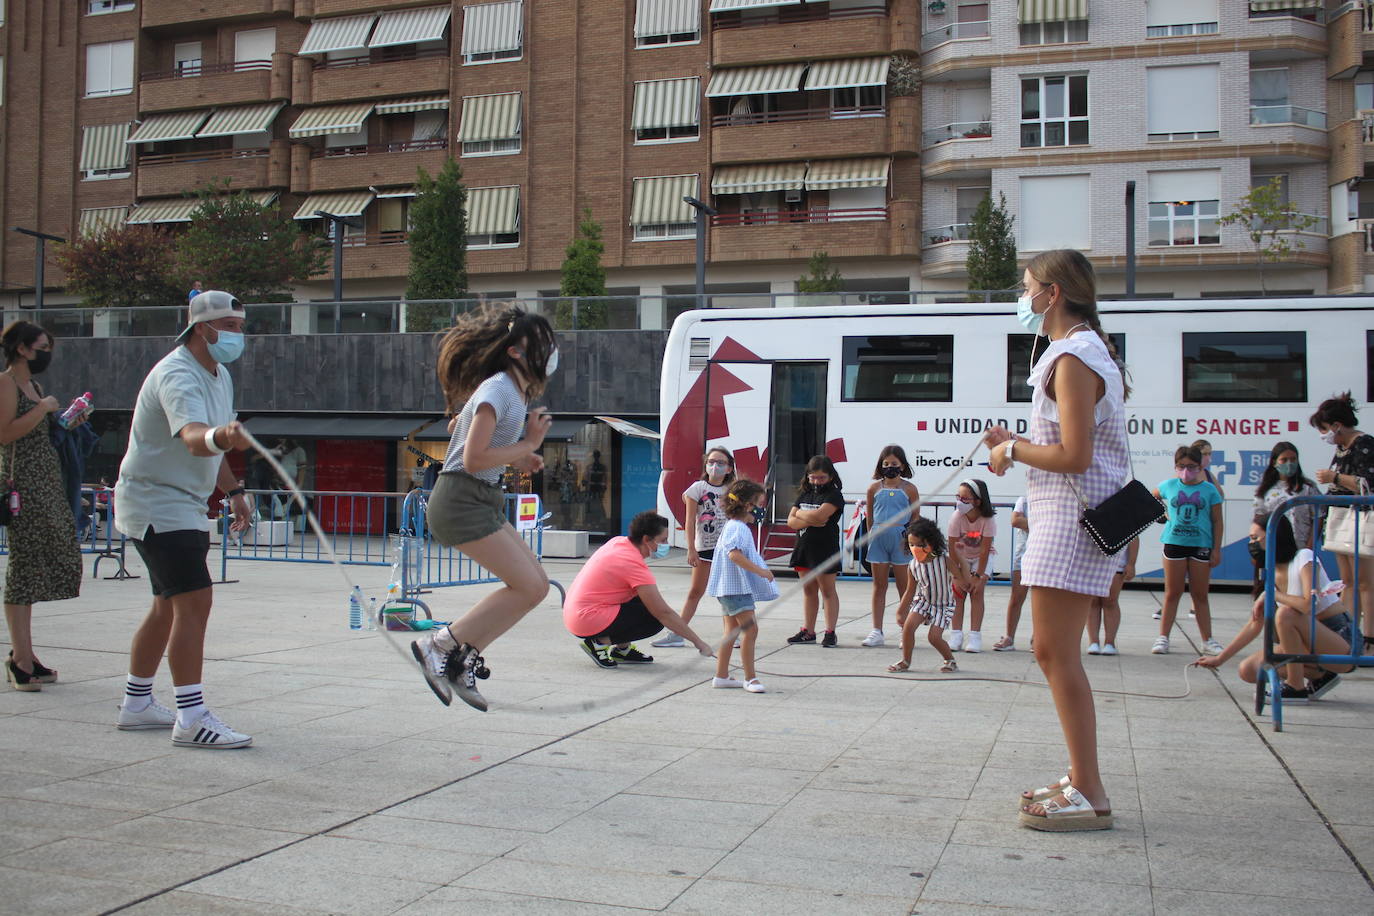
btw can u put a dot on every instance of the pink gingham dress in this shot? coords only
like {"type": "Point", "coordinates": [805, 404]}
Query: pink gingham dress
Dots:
{"type": "Point", "coordinates": [1059, 553]}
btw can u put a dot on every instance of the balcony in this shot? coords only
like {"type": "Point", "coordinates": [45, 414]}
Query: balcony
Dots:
{"type": "Point", "coordinates": [217, 84]}
{"type": "Point", "coordinates": [157, 13]}
{"type": "Point", "coordinates": [377, 165]}
{"type": "Point", "coordinates": [842, 33]}
{"type": "Point", "coordinates": [339, 7]}
{"type": "Point", "coordinates": [960, 130]}
{"type": "Point", "coordinates": [955, 31]}
{"type": "Point", "coordinates": [944, 250]}
{"type": "Point", "coordinates": [170, 174]}
{"type": "Point", "coordinates": [829, 132]}
{"type": "Point", "coordinates": [1263, 115]}
{"type": "Point", "coordinates": [878, 231]}
{"type": "Point", "coordinates": [386, 71]}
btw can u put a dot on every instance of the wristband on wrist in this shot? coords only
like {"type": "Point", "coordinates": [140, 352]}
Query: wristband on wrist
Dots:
{"type": "Point", "coordinates": [1011, 444]}
{"type": "Point", "coordinates": [210, 442]}
{"type": "Point", "coordinates": [237, 491]}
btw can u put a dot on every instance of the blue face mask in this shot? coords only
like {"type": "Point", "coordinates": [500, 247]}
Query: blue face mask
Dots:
{"type": "Point", "coordinates": [760, 515]}
{"type": "Point", "coordinates": [227, 347]}
{"type": "Point", "coordinates": [661, 551]}
{"type": "Point", "coordinates": [1026, 314]}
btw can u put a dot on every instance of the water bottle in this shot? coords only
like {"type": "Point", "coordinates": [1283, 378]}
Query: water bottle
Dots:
{"type": "Point", "coordinates": [75, 410]}
{"type": "Point", "coordinates": [372, 614]}
{"type": "Point", "coordinates": [355, 609]}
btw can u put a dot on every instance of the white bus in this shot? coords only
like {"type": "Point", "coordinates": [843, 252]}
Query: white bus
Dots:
{"type": "Point", "coordinates": [776, 386]}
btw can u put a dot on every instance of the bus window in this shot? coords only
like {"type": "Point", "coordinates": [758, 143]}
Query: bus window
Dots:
{"type": "Point", "coordinates": [1018, 363]}
{"type": "Point", "coordinates": [899, 368]}
{"type": "Point", "coordinates": [1240, 366]}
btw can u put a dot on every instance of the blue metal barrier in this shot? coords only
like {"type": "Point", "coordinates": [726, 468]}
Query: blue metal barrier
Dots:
{"type": "Point", "coordinates": [97, 537]}
{"type": "Point", "coordinates": [1269, 674]}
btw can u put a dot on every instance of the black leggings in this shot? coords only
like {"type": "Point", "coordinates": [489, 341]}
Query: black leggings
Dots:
{"type": "Point", "coordinates": [633, 622]}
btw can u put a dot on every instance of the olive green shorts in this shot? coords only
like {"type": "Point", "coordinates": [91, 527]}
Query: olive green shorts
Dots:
{"type": "Point", "coordinates": [463, 509]}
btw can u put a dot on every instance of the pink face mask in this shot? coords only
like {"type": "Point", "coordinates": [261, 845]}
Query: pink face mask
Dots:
{"type": "Point", "coordinates": [1189, 475]}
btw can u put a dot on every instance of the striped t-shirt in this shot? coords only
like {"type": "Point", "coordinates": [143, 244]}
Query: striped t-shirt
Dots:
{"type": "Point", "coordinates": [934, 587]}
{"type": "Point", "coordinates": [501, 392]}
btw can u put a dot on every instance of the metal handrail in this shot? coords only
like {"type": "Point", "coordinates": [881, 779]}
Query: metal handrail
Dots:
{"type": "Point", "coordinates": [387, 237]}
{"type": "Point", "coordinates": [829, 113]}
{"type": "Point", "coordinates": [954, 232]}
{"type": "Point", "coordinates": [958, 130]}
{"type": "Point", "coordinates": [956, 31]}
{"type": "Point", "coordinates": [818, 215]}
{"type": "Point", "coordinates": [213, 155]}
{"type": "Point", "coordinates": [383, 56]}
{"type": "Point", "coordinates": [403, 146]}
{"type": "Point", "coordinates": [785, 15]}
{"type": "Point", "coordinates": [236, 66]}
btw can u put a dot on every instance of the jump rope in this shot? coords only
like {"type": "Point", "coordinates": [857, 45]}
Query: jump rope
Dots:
{"type": "Point", "coordinates": [640, 687]}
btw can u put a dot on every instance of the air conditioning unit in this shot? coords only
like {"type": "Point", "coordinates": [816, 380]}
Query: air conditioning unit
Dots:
{"type": "Point", "coordinates": [792, 196]}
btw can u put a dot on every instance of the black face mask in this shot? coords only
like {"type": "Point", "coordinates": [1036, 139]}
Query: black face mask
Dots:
{"type": "Point", "coordinates": [40, 361]}
{"type": "Point", "coordinates": [891, 473]}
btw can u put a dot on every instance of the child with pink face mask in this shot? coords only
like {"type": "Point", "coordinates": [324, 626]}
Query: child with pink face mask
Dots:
{"type": "Point", "coordinates": [1192, 545]}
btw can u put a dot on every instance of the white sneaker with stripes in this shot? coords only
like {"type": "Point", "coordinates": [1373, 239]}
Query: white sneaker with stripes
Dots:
{"type": "Point", "coordinates": [154, 715]}
{"type": "Point", "coordinates": [209, 732]}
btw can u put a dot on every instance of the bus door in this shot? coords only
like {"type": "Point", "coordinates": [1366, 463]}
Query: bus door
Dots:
{"type": "Point", "coordinates": [798, 420]}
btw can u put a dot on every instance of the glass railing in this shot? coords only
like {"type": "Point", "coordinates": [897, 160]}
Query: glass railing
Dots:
{"type": "Point", "coordinates": [955, 31]}
{"type": "Point", "coordinates": [961, 130]}
{"type": "Point", "coordinates": [1310, 223]}
{"type": "Point", "coordinates": [954, 232]}
{"type": "Point", "coordinates": [1367, 128]}
{"type": "Point", "coordinates": [1287, 114]}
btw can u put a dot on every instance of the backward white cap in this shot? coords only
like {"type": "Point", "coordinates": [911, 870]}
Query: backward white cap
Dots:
{"type": "Point", "coordinates": [209, 305]}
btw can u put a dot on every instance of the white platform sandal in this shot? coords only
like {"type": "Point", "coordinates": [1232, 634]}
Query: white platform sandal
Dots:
{"type": "Point", "coordinates": [1078, 814]}
{"type": "Point", "coordinates": [1035, 796]}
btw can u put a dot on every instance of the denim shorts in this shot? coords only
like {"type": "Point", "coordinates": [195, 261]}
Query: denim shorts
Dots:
{"type": "Point", "coordinates": [730, 605]}
{"type": "Point", "coordinates": [1340, 624]}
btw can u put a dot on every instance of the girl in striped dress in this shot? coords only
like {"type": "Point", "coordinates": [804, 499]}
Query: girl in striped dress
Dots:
{"type": "Point", "coordinates": [929, 594]}
{"type": "Point", "coordinates": [1076, 455]}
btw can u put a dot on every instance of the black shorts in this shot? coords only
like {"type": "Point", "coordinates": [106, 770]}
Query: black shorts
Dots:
{"type": "Point", "coordinates": [175, 560]}
{"type": "Point", "coordinates": [633, 622]}
{"type": "Point", "coordinates": [707, 555]}
{"type": "Point", "coordinates": [1184, 552]}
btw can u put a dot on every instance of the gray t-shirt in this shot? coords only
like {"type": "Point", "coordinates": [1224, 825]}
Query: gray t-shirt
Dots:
{"type": "Point", "coordinates": [160, 482]}
{"type": "Point", "coordinates": [501, 392]}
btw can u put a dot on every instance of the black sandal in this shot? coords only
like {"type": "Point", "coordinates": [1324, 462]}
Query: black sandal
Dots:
{"type": "Point", "coordinates": [41, 673]}
{"type": "Point", "coordinates": [19, 679]}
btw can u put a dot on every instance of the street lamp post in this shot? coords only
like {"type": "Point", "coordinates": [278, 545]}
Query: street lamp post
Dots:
{"type": "Point", "coordinates": [1130, 240]}
{"type": "Point", "coordinates": [39, 238]}
{"type": "Point", "coordinates": [702, 210]}
{"type": "Point", "coordinates": [338, 223]}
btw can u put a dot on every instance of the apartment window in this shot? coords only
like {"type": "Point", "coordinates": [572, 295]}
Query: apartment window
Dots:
{"type": "Point", "coordinates": [1019, 367]}
{"type": "Point", "coordinates": [1054, 33]}
{"type": "Point", "coordinates": [652, 134]}
{"type": "Point", "coordinates": [255, 45]}
{"type": "Point", "coordinates": [110, 68]}
{"type": "Point", "coordinates": [187, 59]}
{"type": "Point", "coordinates": [1182, 103]}
{"type": "Point", "coordinates": [97, 7]}
{"type": "Point", "coordinates": [1184, 223]}
{"type": "Point", "coordinates": [858, 101]}
{"type": "Point", "coordinates": [1245, 366]}
{"type": "Point", "coordinates": [1179, 18]}
{"type": "Point", "coordinates": [666, 110]}
{"type": "Point", "coordinates": [676, 38]}
{"type": "Point", "coordinates": [663, 231]}
{"type": "Point", "coordinates": [491, 125]}
{"type": "Point", "coordinates": [1364, 87]}
{"type": "Point", "coordinates": [493, 32]}
{"type": "Point", "coordinates": [666, 22]}
{"type": "Point", "coordinates": [899, 368]}
{"type": "Point", "coordinates": [657, 208]}
{"type": "Point", "coordinates": [504, 147]}
{"type": "Point", "coordinates": [494, 240]}
{"type": "Point", "coordinates": [966, 201]}
{"type": "Point", "coordinates": [1269, 96]}
{"type": "Point", "coordinates": [1054, 111]}
{"type": "Point", "coordinates": [493, 217]}
{"type": "Point", "coordinates": [1054, 212]}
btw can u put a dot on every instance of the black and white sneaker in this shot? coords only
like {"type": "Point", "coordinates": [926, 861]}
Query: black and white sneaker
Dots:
{"type": "Point", "coordinates": [209, 732]}
{"type": "Point", "coordinates": [464, 667]}
{"type": "Point", "coordinates": [598, 653]}
{"type": "Point", "coordinates": [433, 663]}
{"type": "Point", "coordinates": [1322, 685]}
{"type": "Point", "coordinates": [631, 656]}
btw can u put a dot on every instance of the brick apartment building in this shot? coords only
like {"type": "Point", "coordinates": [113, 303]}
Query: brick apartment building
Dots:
{"type": "Point", "coordinates": [868, 129]}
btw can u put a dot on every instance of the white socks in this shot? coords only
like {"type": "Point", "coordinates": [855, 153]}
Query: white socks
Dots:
{"type": "Point", "coordinates": [138, 693]}
{"type": "Point", "coordinates": [190, 704]}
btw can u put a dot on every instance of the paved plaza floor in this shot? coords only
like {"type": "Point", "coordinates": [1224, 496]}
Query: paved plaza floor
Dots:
{"type": "Point", "coordinates": [589, 791]}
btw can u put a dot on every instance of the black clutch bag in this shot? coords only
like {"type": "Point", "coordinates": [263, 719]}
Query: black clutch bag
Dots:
{"type": "Point", "coordinates": [1121, 516]}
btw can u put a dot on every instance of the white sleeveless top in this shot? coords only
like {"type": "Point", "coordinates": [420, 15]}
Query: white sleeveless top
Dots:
{"type": "Point", "coordinates": [1092, 352]}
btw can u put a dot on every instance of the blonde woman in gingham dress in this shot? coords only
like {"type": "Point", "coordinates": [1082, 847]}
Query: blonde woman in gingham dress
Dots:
{"type": "Point", "coordinates": [1077, 448]}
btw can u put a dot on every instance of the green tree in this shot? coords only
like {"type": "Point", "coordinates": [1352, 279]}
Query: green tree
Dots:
{"type": "Point", "coordinates": [438, 246]}
{"type": "Point", "coordinates": [821, 276]}
{"type": "Point", "coordinates": [124, 267]}
{"type": "Point", "coordinates": [1269, 221]}
{"type": "Point", "coordinates": [991, 261]}
{"type": "Point", "coordinates": [584, 276]}
{"type": "Point", "coordinates": [248, 248]}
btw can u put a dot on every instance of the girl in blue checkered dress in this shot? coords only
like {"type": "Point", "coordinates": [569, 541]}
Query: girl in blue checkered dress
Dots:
{"type": "Point", "coordinates": [739, 579]}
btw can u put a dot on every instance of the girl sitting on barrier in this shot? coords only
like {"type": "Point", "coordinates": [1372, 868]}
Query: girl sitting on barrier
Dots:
{"type": "Point", "coordinates": [492, 362]}
{"type": "Point", "coordinates": [1294, 590]}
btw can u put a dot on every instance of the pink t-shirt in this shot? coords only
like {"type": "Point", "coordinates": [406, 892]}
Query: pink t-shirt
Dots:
{"type": "Point", "coordinates": [967, 534]}
{"type": "Point", "coordinates": [607, 581]}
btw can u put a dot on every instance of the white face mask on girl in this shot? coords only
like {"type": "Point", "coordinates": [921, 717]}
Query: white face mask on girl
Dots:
{"type": "Point", "coordinates": [552, 365]}
{"type": "Point", "coordinates": [963, 508]}
{"type": "Point", "coordinates": [1329, 437]}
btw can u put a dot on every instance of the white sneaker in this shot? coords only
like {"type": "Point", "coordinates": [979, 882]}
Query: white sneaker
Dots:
{"type": "Point", "coordinates": [1157, 615]}
{"type": "Point", "coordinates": [754, 686]}
{"type": "Point", "coordinates": [974, 642]}
{"type": "Point", "coordinates": [1094, 649]}
{"type": "Point", "coordinates": [726, 682]}
{"type": "Point", "coordinates": [1109, 649]}
{"type": "Point", "coordinates": [955, 639]}
{"type": "Point", "coordinates": [1161, 646]}
{"type": "Point", "coordinates": [874, 639]}
{"type": "Point", "coordinates": [1211, 647]}
{"type": "Point", "coordinates": [671, 641]}
{"type": "Point", "coordinates": [209, 732]}
{"type": "Point", "coordinates": [154, 715]}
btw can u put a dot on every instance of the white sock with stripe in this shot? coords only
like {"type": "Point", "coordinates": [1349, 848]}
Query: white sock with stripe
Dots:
{"type": "Point", "coordinates": [190, 704]}
{"type": "Point", "coordinates": [138, 693]}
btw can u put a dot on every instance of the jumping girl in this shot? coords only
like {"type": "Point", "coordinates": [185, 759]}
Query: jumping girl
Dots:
{"type": "Point", "coordinates": [890, 496]}
{"type": "Point", "coordinates": [815, 516]}
{"type": "Point", "coordinates": [1192, 545]}
{"type": "Point", "coordinates": [491, 363]}
{"type": "Point", "coordinates": [738, 580]}
{"type": "Point", "coordinates": [929, 593]}
{"type": "Point", "coordinates": [704, 522]}
{"type": "Point", "coordinates": [971, 533]}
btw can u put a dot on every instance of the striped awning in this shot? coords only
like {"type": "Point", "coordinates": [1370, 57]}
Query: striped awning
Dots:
{"type": "Point", "coordinates": [751, 179]}
{"type": "Point", "coordinates": [179, 209]}
{"type": "Point", "coordinates": [1264, 6]}
{"type": "Point", "coordinates": [402, 106]}
{"type": "Point", "coordinates": [667, 103]}
{"type": "Point", "coordinates": [846, 74]}
{"type": "Point", "coordinates": [1050, 10]}
{"type": "Point", "coordinates": [99, 220]}
{"type": "Point", "coordinates": [342, 33]}
{"type": "Point", "coordinates": [754, 80]}
{"type": "Point", "coordinates": [339, 203]}
{"type": "Point", "coordinates": [103, 147]}
{"type": "Point", "coordinates": [490, 27]}
{"type": "Point", "coordinates": [331, 119]}
{"type": "Point", "coordinates": [161, 127]}
{"type": "Point", "coordinates": [405, 27]}
{"type": "Point", "coordinates": [493, 211]}
{"type": "Point", "coordinates": [722, 6]}
{"type": "Point", "coordinates": [659, 200]}
{"type": "Point", "coordinates": [241, 119]}
{"type": "Point", "coordinates": [828, 174]}
{"type": "Point", "coordinates": [666, 17]}
{"type": "Point", "coordinates": [490, 117]}
{"type": "Point", "coordinates": [389, 193]}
